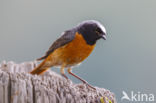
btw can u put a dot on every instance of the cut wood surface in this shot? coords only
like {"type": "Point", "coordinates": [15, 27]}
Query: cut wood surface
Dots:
{"type": "Point", "coordinates": [18, 86]}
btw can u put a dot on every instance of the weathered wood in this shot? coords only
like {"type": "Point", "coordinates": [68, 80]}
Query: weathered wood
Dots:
{"type": "Point", "coordinates": [18, 86]}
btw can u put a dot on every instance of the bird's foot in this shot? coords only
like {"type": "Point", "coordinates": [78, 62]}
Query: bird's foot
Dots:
{"type": "Point", "coordinates": [89, 85]}
{"type": "Point", "coordinates": [64, 76]}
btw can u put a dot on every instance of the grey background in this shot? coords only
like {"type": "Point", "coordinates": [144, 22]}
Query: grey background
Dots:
{"type": "Point", "coordinates": [125, 61]}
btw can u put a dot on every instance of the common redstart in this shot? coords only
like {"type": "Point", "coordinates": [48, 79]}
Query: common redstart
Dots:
{"type": "Point", "coordinates": [74, 46]}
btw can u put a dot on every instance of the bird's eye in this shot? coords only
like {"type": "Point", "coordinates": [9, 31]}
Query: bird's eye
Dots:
{"type": "Point", "coordinates": [98, 31]}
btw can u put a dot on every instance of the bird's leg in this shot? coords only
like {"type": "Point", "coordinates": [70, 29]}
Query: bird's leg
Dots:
{"type": "Point", "coordinates": [70, 72]}
{"type": "Point", "coordinates": [62, 72]}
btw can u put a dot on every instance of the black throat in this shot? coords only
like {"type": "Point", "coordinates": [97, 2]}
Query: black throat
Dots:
{"type": "Point", "coordinates": [88, 36]}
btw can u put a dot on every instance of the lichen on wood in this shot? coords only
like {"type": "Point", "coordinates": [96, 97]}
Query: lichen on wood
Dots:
{"type": "Point", "coordinates": [18, 86]}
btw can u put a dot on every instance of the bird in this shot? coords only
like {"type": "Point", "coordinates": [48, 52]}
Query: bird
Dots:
{"type": "Point", "coordinates": [71, 48]}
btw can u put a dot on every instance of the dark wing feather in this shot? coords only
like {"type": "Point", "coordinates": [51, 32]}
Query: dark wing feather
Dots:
{"type": "Point", "coordinates": [67, 37]}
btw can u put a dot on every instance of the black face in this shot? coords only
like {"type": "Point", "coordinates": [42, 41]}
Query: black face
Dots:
{"type": "Point", "coordinates": [91, 31]}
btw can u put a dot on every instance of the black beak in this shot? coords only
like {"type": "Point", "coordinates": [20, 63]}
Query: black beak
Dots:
{"type": "Point", "coordinates": [103, 37]}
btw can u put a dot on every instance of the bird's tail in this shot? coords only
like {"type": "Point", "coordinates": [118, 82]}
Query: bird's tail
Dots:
{"type": "Point", "coordinates": [41, 68]}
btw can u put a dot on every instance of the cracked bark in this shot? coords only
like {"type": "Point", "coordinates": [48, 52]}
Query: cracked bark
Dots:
{"type": "Point", "coordinates": [18, 86]}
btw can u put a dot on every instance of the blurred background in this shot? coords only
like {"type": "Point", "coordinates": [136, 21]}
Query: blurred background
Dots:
{"type": "Point", "coordinates": [125, 61]}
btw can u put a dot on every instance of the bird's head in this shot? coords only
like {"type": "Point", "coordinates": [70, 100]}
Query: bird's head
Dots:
{"type": "Point", "coordinates": [92, 31]}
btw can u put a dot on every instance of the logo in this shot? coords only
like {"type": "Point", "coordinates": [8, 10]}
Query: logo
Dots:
{"type": "Point", "coordinates": [137, 97]}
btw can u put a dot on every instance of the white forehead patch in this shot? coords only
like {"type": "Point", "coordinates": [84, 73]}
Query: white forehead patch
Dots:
{"type": "Point", "coordinates": [97, 22]}
{"type": "Point", "coordinates": [102, 27]}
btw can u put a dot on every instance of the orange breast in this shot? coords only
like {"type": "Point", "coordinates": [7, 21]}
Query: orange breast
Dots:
{"type": "Point", "coordinates": [73, 52]}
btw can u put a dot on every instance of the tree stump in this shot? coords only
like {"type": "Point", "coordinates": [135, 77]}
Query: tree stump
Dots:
{"type": "Point", "coordinates": [18, 86]}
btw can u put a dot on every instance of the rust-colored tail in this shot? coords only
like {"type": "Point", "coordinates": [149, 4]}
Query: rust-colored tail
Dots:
{"type": "Point", "coordinates": [41, 68]}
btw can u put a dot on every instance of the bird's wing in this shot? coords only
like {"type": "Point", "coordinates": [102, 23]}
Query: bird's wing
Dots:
{"type": "Point", "coordinates": [66, 37]}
